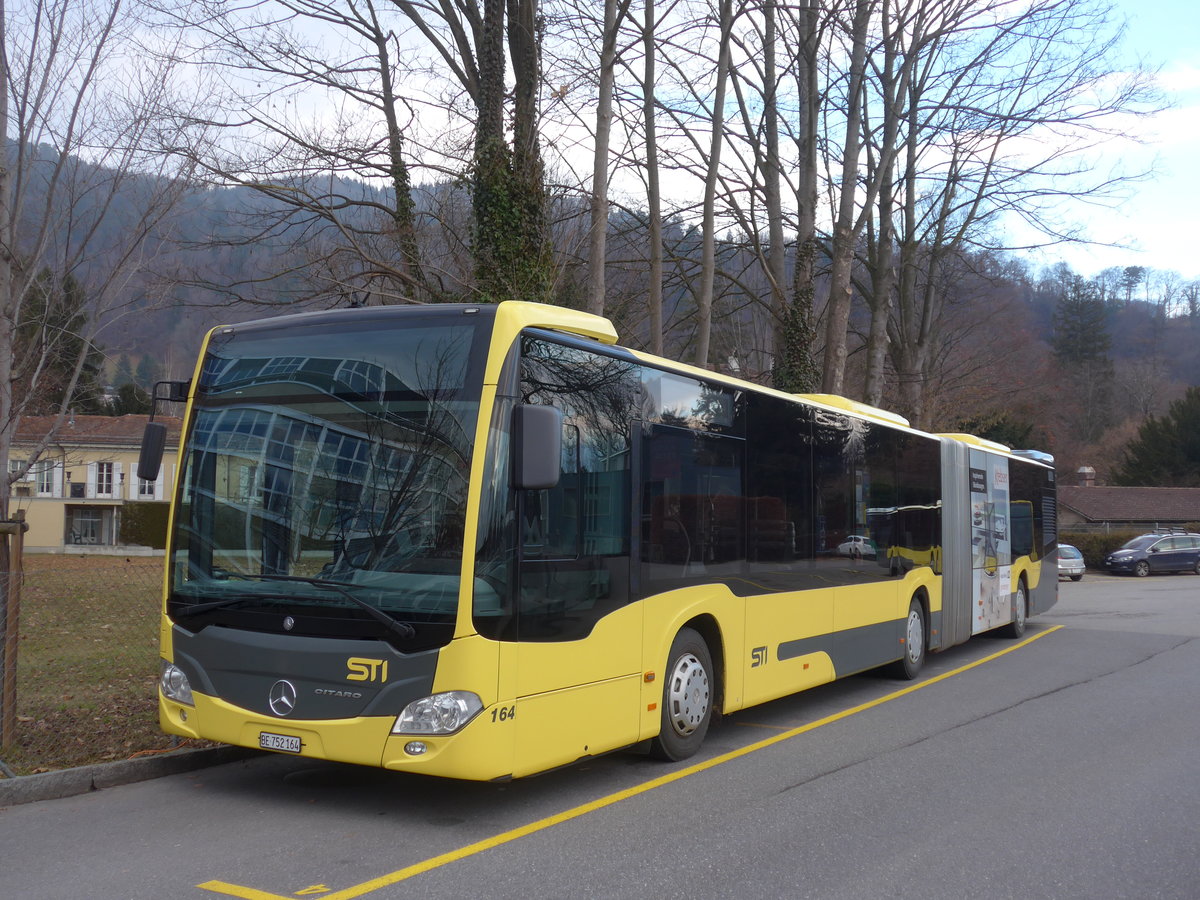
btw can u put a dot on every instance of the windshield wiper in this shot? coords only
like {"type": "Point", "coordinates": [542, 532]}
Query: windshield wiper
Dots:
{"type": "Point", "coordinates": [400, 629]}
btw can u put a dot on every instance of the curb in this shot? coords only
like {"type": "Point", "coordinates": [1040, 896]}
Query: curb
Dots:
{"type": "Point", "coordinates": [84, 779]}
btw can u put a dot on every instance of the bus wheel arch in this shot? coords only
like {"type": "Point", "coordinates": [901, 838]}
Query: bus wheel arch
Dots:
{"type": "Point", "coordinates": [692, 690]}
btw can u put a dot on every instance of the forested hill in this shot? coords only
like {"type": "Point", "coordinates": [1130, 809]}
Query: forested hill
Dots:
{"type": "Point", "coordinates": [1043, 358]}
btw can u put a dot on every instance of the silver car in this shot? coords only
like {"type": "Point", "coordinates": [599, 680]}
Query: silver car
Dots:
{"type": "Point", "coordinates": [1070, 562]}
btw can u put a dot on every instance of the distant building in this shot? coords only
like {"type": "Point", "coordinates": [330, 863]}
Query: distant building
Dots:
{"type": "Point", "coordinates": [1091, 508]}
{"type": "Point", "coordinates": [73, 494]}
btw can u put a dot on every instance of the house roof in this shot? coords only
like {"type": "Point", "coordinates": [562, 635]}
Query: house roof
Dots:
{"type": "Point", "coordinates": [86, 431]}
{"type": "Point", "coordinates": [1132, 504]}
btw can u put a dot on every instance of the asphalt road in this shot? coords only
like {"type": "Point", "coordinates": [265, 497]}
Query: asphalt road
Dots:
{"type": "Point", "coordinates": [1067, 766]}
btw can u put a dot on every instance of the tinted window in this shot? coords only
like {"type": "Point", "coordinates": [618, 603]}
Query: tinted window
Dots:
{"type": "Point", "coordinates": [779, 494]}
{"type": "Point", "coordinates": [692, 509]}
{"type": "Point", "coordinates": [1139, 543]}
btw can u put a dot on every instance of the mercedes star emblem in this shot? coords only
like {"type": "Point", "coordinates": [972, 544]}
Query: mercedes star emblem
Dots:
{"type": "Point", "coordinates": [289, 623]}
{"type": "Point", "coordinates": [282, 698]}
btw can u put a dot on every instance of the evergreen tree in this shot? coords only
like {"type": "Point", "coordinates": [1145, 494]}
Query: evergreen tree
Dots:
{"type": "Point", "coordinates": [124, 371]}
{"type": "Point", "coordinates": [1081, 324]}
{"type": "Point", "coordinates": [129, 399]}
{"type": "Point", "coordinates": [146, 373]}
{"type": "Point", "coordinates": [1082, 345]}
{"type": "Point", "coordinates": [49, 345]}
{"type": "Point", "coordinates": [1166, 451]}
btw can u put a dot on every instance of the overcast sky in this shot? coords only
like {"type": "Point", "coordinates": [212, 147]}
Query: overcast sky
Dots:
{"type": "Point", "coordinates": [1161, 221]}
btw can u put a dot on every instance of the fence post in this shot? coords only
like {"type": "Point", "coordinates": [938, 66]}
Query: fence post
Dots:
{"type": "Point", "coordinates": [12, 532]}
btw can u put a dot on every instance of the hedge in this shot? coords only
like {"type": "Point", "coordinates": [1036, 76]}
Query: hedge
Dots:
{"type": "Point", "coordinates": [144, 523]}
{"type": "Point", "coordinates": [1096, 545]}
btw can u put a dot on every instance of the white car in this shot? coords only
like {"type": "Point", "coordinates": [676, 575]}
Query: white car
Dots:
{"type": "Point", "coordinates": [857, 547]}
{"type": "Point", "coordinates": [1070, 562]}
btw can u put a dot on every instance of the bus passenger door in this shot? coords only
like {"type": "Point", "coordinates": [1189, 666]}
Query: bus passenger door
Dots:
{"type": "Point", "coordinates": [991, 557]}
{"type": "Point", "coordinates": [575, 668]}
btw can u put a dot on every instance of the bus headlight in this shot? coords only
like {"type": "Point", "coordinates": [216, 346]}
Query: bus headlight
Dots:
{"type": "Point", "coordinates": [174, 684]}
{"type": "Point", "coordinates": [438, 714]}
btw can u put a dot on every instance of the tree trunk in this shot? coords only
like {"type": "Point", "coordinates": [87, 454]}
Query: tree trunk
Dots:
{"type": "Point", "coordinates": [837, 312]}
{"type": "Point", "coordinates": [795, 368]}
{"type": "Point", "coordinates": [403, 209]}
{"type": "Point", "coordinates": [531, 263]}
{"type": "Point", "coordinates": [772, 195]}
{"type": "Point", "coordinates": [597, 238]}
{"type": "Point", "coordinates": [704, 299]}
{"type": "Point", "coordinates": [491, 182]}
{"type": "Point", "coordinates": [653, 191]}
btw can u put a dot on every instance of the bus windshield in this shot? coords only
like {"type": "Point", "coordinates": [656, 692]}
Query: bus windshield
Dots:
{"type": "Point", "coordinates": [325, 470]}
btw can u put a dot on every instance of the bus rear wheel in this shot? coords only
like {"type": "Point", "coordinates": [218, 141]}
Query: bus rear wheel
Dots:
{"type": "Point", "coordinates": [687, 698]}
{"type": "Point", "coordinates": [1016, 628]}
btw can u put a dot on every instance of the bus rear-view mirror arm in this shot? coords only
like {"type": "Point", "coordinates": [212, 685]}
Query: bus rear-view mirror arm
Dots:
{"type": "Point", "coordinates": [154, 438]}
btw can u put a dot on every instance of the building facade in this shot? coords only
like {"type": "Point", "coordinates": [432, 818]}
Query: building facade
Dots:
{"type": "Point", "coordinates": [74, 492]}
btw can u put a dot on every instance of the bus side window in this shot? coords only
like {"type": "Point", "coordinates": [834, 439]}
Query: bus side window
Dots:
{"type": "Point", "coordinates": [692, 508]}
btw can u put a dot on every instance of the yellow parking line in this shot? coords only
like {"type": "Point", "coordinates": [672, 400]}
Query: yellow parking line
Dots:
{"type": "Point", "coordinates": [506, 837]}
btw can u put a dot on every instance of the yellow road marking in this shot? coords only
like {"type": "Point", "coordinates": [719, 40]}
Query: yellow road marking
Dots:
{"type": "Point", "coordinates": [507, 837]}
{"type": "Point", "coordinates": [763, 725]}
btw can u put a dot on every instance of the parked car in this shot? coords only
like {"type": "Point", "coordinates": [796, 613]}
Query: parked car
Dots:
{"type": "Point", "coordinates": [1070, 562]}
{"type": "Point", "coordinates": [1156, 553]}
{"type": "Point", "coordinates": [857, 547]}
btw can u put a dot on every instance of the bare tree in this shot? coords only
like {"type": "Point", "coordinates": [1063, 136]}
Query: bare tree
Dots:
{"type": "Point", "coordinates": [321, 135]}
{"type": "Point", "coordinates": [1000, 115]}
{"type": "Point", "coordinates": [336, 112]}
{"type": "Point", "coordinates": [82, 201]}
{"type": "Point", "coordinates": [82, 209]}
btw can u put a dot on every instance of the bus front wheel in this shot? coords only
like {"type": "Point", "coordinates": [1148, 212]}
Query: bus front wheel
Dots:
{"type": "Point", "coordinates": [687, 698]}
{"type": "Point", "coordinates": [909, 665]}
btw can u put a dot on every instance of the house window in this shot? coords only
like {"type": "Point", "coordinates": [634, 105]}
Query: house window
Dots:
{"type": "Point", "coordinates": [87, 526]}
{"type": "Point", "coordinates": [104, 479]}
{"type": "Point", "coordinates": [20, 486]}
{"type": "Point", "coordinates": [45, 478]}
{"type": "Point", "coordinates": [145, 489]}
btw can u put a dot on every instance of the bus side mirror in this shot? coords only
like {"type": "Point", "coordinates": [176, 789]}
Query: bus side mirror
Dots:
{"type": "Point", "coordinates": [154, 439]}
{"type": "Point", "coordinates": [537, 447]}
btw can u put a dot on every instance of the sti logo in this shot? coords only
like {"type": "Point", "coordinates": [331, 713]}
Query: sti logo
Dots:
{"type": "Point", "coordinates": [361, 669]}
{"type": "Point", "coordinates": [758, 657]}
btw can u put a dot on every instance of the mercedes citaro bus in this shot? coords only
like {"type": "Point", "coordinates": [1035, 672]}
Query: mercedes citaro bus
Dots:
{"type": "Point", "coordinates": [484, 541]}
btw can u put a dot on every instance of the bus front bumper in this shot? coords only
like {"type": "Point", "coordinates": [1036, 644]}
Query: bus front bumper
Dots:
{"type": "Point", "coordinates": [480, 751]}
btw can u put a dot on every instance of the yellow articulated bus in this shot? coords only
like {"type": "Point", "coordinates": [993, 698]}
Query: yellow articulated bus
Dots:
{"type": "Point", "coordinates": [485, 541]}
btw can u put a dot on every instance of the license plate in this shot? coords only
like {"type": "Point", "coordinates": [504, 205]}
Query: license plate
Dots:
{"type": "Point", "coordinates": [288, 743]}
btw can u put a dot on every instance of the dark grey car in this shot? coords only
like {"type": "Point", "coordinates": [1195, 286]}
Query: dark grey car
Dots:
{"type": "Point", "coordinates": [1156, 553]}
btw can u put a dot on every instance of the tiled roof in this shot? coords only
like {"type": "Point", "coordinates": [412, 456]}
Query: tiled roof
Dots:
{"type": "Point", "coordinates": [107, 431]}
{"type": "Point", "coordinates": [1132, 504]}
